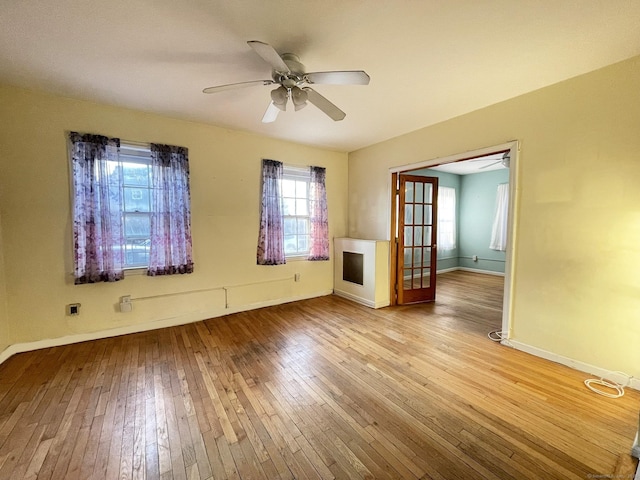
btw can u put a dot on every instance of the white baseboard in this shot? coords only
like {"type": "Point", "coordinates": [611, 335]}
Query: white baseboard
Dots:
{"type": "Point", "coordinates": [485, 272]}
{"type": "Point", "coordinates": [446, 270]}
{"type": "Point", "coordinates": [360, 300]}
{"type": "Point", "coordinates": [143, 327]}
{"type": "Point", "coordinates": [474, 270]}
{"type": "Point", "coordinates": [569, 362]}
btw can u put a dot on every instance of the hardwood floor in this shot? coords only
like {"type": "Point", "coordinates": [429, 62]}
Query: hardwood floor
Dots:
{"type": "Point", "coordinates": [322, 388]}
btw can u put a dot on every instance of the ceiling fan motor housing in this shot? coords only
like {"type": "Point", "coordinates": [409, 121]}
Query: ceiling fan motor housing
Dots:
{"type": "Point", "coordinates": [295, 76]}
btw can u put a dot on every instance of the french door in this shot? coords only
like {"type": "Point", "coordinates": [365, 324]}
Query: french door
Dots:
{"type": "Point", "coordinates": [416, 242]}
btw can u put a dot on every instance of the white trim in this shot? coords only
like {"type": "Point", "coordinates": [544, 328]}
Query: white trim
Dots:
{"type": "Point", "coordinates": [143, 327]}
{"type": "Point", "coordinates": [360, 300]}
{"type": "Point", "coordinates": [446, 270]}
{"type": "Point", "coordinates": [569, 362]}
{"type": "Point", "coordinates": [474, 270]}
{"type": "Point", "coordinates": [484, 272]}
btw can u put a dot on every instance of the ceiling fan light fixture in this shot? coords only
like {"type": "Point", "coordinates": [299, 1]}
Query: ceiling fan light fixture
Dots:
{"type": "Point", "coordinates": [279, 97]}
{"type": "Point", "coordinates": [299, 98]}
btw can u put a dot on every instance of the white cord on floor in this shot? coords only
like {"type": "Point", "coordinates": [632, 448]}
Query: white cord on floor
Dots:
{"type": "Point", "coordinates": [617, 387]}
{"type": "Point", "coordinates": [495, 336]}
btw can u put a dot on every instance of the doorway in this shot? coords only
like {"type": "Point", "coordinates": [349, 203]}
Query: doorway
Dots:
{"type": "Point", "coordinates": [398, 272]}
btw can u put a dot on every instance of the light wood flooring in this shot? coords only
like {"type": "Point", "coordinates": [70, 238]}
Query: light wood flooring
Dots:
{"type": "Point", "coordinates": [322, 388]}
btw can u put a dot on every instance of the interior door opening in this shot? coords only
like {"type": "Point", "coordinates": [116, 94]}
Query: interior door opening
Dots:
{"type": "Point", "coordinates": [403, 262]}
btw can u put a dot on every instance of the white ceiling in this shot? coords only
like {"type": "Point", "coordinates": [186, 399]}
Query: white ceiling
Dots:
{"type": "Point", "coordinates": [475, 165]}
{"type": "Point", "coordinates": [429, 60]}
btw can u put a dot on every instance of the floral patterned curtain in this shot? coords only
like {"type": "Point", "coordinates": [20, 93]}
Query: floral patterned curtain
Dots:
{"type": "Point", "coordinates": [170, 250]}
{"type": "Point", "coordinates": [97, 208]}
{"type": "Point", "coordinates": [318, 215]}
{"type": "Point", "coordinates": [271, 236]}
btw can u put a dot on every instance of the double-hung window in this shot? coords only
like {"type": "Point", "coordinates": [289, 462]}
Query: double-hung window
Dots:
{"type": "Point", "coordinates": [293, 217]}
{"type": "Point", "coordinates": [131, 208]}
{"type": "Point", "coordinates": [295, 209]}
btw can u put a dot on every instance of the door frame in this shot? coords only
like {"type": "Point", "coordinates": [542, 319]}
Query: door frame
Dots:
{"type": "Point", "coordinates": [513, 147]}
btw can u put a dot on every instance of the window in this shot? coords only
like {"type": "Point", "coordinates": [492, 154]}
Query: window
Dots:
{"type": "Point", "coordinates": [500, 220]}
{"type": "Point", "coordinates": [295, 209]}
{"type": "Point", "coordinates": [446, 218]}
{"type": "Point", "coordinates": [131, 208]}
{"type": "Point", "coordinates": [293, 215]}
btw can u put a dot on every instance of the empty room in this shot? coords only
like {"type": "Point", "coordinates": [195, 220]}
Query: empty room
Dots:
{"type": "Point", "coordinates": [353, 239]}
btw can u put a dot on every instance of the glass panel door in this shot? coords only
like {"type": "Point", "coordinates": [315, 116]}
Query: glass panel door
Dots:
{"type": "Point", "coordinates": [416, 276]}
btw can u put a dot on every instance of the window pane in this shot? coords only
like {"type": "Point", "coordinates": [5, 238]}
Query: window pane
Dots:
{"type": "Point", "coordinates": [418, 213]}
{"type": "Point", "coordinates": [302, 206]}
{"type": "Point", "coordinates": [290, 226]}
{"type": "Point", "coordinates": [417, 257]}
{"type": "Point", "coordinates": [135, 174]}
{"type": "Point", "coordinates": [427, 236]}
{"type": "Point", "coordinates": [426, 257]}
{"type": "Point", "coordinates": [303, 226]}
{"type": "Point", "coordinates": [407, 278]}
{"type": "Point", "coordinates": [408, 214]}
{"type": "Point", "coordinates": [419, 190]}
{"type": "Point", "coordinates": [407, 257]}
{"type": "Point", "coordinates": [426, 278]}
{"type": "Point", "coordinates": [303, 243]}
{"type": "Point", "coordinates": [301, 189]}
{"type": "Point", "coordinates": [137, 225]}
{"type": "Point", "coordinates": [136, 199]}
{"type": "Point", "coordinates": [427, 215]}
{"type": "Point", "coordinates": [289, 206]}
{"type": "Point", "coordinates": [137, 252]}
{"type": "Point", "coordinates": [408, 236]}
{"type": "Point", "coordinates": [288, 188]}
{"type": "Point", "coordinates": [417, 236]}
{"type": "Point", "coordinates": [428, 193]}
{"type": "Point", "coordinates": [408, 188]}
{"type": "Point", "coordinates": [290, 244]}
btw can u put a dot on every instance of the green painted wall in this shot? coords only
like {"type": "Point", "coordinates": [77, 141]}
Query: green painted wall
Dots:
{"type": "Point", "coordinates": [475, 204]}
{"type": "Point", "coordinates": [477, 208]}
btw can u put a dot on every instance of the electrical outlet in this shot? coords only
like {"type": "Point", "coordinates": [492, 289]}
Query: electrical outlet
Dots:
{"type": "Point", "coordinates": [474, 258]}
{"type": "Point", "coordinates": [296, 277]}
{"type": "Point", "coordinates": [125, 304]}
{"type": "Point", "coordinates": [73, 309]}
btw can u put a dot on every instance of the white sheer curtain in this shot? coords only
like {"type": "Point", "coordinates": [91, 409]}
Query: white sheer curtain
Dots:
{"type": "Point", "coordinates": [499, 229]}
{"type": "Point", "coordinates": [446, 218]}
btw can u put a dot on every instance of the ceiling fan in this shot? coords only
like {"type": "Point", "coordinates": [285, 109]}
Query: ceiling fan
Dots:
{"type": "Point", "coordinates": [293, 81]}
{"type": "Point", "coordinates": [504, 161]}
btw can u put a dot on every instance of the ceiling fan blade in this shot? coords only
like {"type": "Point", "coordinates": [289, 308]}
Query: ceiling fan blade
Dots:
{"type": "Point", "coordinates": [269, 55]}
{"type": "Point", "coordinates": [234, 86]}
{"type": "Point", "coordinates": [325, 105]}
{"type": "Point", "coordinates": [347, 77]}
{"type": "Point", "coordinates": [490, 165]}
{"type": "Point", "coordinates": [271, 114]}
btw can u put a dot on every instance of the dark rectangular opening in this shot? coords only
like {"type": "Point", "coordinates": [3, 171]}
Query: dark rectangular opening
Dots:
{"type": "Point", "coordinates": [353, 267]}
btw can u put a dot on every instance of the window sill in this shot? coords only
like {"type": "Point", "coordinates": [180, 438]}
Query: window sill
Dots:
{"type": "Point", "coordinates": [296, 258]}
{"type": "Point", "coordinates": [131, 271]}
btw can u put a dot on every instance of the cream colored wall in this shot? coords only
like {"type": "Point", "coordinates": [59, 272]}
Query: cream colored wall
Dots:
{"type": "Point", "coordinates": [5, 341]}
{"type": "Point", "coordinates": [225, 190]}
{"type": "Point", "coordinates": [577, 252]}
